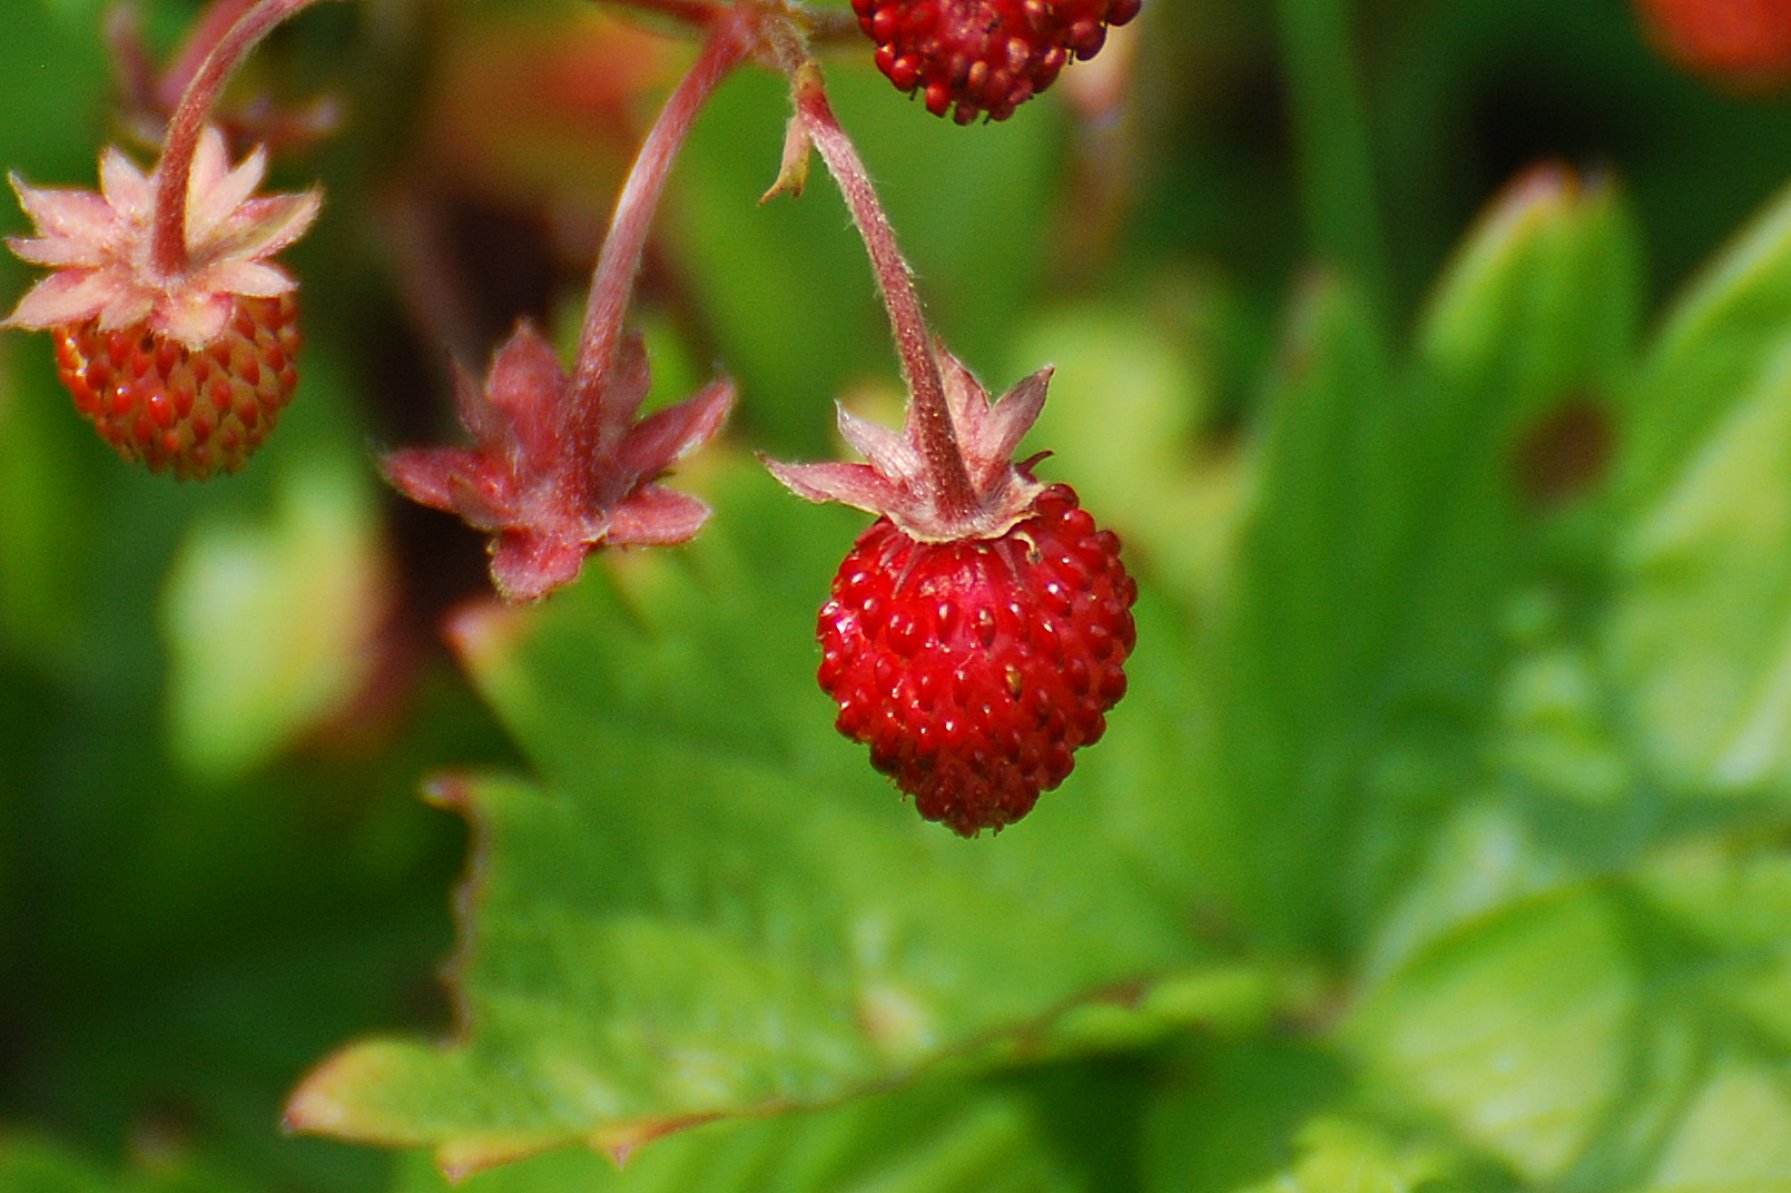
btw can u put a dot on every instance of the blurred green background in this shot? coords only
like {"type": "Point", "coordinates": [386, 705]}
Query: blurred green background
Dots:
{"type": "Point", "coordinates": [1439, 844]}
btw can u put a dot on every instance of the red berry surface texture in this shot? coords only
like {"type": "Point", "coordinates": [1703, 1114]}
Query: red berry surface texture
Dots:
{"type": "Point", "coordinates": [194, 413]}
{"type": "Point", "coordinates": [974, 647]}
{"type": "Point", "coordinates": [185, 369]}
{"type": "Point", "coordinates": [984, 57]}
{"type": "Point", "coordinates": [974, 669]}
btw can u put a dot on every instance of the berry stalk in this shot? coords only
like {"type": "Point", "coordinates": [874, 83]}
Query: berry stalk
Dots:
{"type": "Point", "coordinates": [698, 13]}
{"type": "Point", "coordinates": [168, 243]}
{"type": "Point", "coordinates": [612, 284]}
{"type": "Point", "coordinates": [913, 339]}
{"type": "Point", "coordinates": [207, 32]}
{"type": "Point", "coordinates": [827, 26]}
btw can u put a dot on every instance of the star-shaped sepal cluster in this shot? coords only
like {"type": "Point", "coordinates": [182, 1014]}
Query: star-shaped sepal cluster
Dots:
{"type": "Point", "coordinates": [98, 248]}
{"type": "Point", "coordinates": [896, 481]}
{"type": "Point", "coordinates": [548, 489]}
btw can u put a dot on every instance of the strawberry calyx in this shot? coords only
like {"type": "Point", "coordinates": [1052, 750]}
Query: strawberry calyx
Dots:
{"type": "Point", "coordinates": [98, 247]}
{"type": "Point", "coordinates": [547, 496]}
{"type": "Point", "coordinates": [897, 481]}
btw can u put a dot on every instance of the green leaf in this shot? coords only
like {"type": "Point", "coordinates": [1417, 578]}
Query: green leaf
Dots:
{"type": "Point", "coordinates": [1621, 1034]}
{"type": "Point", "coordinates": [1230, 1111]}
{"type": "Point", "coordinates": [933, 1138]}
{"type": "Point", "coordinates": [272, 623]}
{"type": "Point", "coordinates": [1395, 519]}
{"type": "Point", "coordinates": [714, 906]}
{"type": "Point", "coordinates": [29, 1164]}
{"type": "Point", "coordinates": [1700, 631]}
{"type": "Point", "coordinates": [1344, 1155]}
{"type": "Point", "coordinates": [1715, 344]}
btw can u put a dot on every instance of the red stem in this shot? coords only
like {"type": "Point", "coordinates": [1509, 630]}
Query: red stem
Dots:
{"type": "Point", "coordinates": [827, 26]}
{"type": "Point", "coordinates": [913, 339]}
{"type": "Point", "coordinates": [217, 20]}
{"type": "Point", "coordinates": [168, 246]}
{"type": "Point", "coordinates": [700, 13]}
{"type": "Point", "coordinates": [612, 284]}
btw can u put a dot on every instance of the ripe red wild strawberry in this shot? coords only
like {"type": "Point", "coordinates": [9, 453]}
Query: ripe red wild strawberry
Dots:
{"type": "Point", "coordinates": [974, 669]}
{"type": "Point", "coordinates": [973, 652]}
{"type": "Point", "coordinates": [973, 57]}
{"type": "Point", "coordinates": [184, 371]}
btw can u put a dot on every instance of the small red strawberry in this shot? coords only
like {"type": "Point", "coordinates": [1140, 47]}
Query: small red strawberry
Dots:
{"type": "Point", "coordinates": [186, 371]}
{"type": "Point", "coordinates": [974, 57]}
{"type": "Point", "coordinates": [1744, 45]}
{"type": "Point", "coordinates": [974, 650]}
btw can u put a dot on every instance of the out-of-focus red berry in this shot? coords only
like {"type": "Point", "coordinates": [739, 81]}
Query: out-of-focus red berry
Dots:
{"type": "Point", "coordinates": [1744, 45]}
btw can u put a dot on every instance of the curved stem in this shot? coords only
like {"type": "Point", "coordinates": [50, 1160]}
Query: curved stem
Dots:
{"type": "Point", "coordinates": [612, 284]}
{"type": "Point", "coordinates": [168, 247]}
{"type": "Point", "coordinates": [826, 26]}
{"type": "Point", "coordinates": [697, 13]}
{"type": "Point", "coordinates": [212, 25]}
{"type": "Point", "coordinates": [913, 339]}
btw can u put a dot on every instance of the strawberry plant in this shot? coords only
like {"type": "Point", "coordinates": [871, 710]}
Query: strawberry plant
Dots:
{"type": "Point", "coordinates": [1391, 597]}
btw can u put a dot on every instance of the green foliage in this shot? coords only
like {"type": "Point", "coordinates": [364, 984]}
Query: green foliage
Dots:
{"type": "Point", "coordinates": [1438, 845]}
{"type": "Point", "coordinates": [714, 907]}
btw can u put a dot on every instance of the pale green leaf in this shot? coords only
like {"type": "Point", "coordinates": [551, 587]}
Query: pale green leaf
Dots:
{"type": "Point", "coordinates": [271, 622]}
{"type": "Point", "coordinates": [1620, 1034]}
{"type": "Point", "coordinates": [1699, 636]}
{"type": "Point", "coordinates": [934, 1138]}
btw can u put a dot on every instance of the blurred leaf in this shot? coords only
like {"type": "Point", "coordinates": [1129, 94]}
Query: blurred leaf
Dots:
{"type": "Point", "coordinates": [1230, 1112]}
{"type": "Point", "coordinates": [1342, 1155]}
{"type": "Point", "coordinates": [42, 513]}
{"type": "Point", "coordinates": [933, 1138]}
{"type": "Point", "coordinates": [1718, 342]}
{"type": "Point", "coordinates": [1392, 519]}
{"type": "Point", "coordinates": [1700, 630]}
{"type": "Point", "coordinates": [272, 626]}
{"type": "Point", "coordinates": [717, 907]}
{"type": "Point", "coordinates": [1621, 1034]}
{"type": "Point", "coordinates": [1126, 401]}
{"type": "Point", "coordinates": [33, 1165]}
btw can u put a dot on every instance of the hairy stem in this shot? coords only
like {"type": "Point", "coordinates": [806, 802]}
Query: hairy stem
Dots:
{"type": "Point", "coordinates": [612, 285]}
{"type": "Point", "coordinates": [168, 247]}
{"type": "Point", "coordinates": [207, 31]}
{"type": "Point", "coordinates": [913, 339]}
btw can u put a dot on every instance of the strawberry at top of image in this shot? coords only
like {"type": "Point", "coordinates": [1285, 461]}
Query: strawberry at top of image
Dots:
{"type": "Point", "coordinates": [984, 57]}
